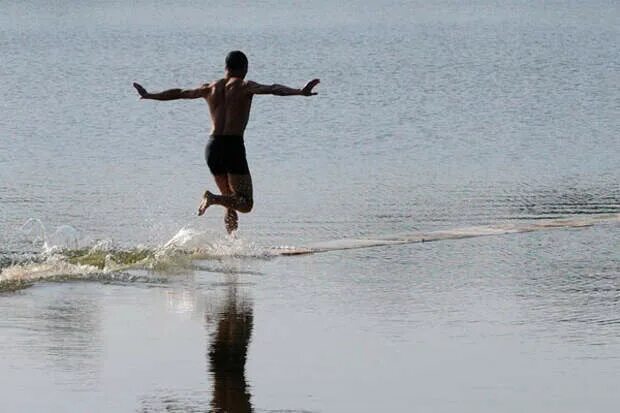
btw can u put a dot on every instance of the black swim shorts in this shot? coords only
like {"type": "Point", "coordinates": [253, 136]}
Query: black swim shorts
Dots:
{"type": "Point", "coordinates": [225, 154]}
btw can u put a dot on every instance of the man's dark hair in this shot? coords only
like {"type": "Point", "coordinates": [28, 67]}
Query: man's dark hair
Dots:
{"type": "Point", "coordinates": [236, 61]}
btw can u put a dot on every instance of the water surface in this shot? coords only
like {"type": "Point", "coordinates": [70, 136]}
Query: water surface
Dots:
{"type": "Point", "coordinates": [432, 117]}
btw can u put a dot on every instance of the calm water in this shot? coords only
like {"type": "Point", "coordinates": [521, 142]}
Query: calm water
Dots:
{"type": "Point", "coordinates": [431, 116]}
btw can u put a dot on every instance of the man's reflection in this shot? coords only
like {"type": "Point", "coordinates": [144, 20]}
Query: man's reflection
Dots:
{"type": "Point", "coordinates": [228, 353]}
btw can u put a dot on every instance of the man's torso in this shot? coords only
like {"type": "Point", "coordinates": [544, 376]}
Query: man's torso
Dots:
{"type": "Point", "coordinates": [229, 105]}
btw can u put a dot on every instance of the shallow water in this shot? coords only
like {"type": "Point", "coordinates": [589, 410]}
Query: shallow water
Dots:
{"type": "Point", "coordinates": [478, 126]}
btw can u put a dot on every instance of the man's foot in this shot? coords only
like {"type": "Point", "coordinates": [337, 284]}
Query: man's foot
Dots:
{"type": "Point", "coordinates": [231, 220]}
{"type": "Point", "coordinates": [206, 202]}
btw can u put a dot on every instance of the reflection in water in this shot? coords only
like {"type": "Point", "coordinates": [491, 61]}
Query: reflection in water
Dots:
{"type": "Point", "coordinates": [229, 322]}
{"type": "Point", "coordinates": [228, 353]}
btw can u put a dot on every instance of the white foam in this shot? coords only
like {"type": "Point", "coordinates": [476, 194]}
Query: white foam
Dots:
{"type": "Point", "coordinates": [452, 234]}
{"type": "Point", "coordinates": [48, 269]}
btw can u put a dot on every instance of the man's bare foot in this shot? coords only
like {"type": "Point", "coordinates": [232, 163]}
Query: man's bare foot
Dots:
{"type": "Point", "coordinates": [206, 202]}
{"type": "Point", "coordinates": [231, 220]}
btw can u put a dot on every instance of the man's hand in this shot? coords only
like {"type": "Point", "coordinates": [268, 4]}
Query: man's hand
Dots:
{"type": "Point", "coordinates": [307, 90]}
{"type": "Point", "coordinates": [142, 91]}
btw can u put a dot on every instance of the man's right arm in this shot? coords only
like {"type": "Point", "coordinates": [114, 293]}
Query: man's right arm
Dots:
{"type": "Point", "coordinates": [281, 90]}
{"type": "Point", "coordinates": [173, 94]}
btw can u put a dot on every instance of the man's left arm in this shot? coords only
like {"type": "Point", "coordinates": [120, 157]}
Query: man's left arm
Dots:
{"type": "Point", "coordinates": [281, 90]}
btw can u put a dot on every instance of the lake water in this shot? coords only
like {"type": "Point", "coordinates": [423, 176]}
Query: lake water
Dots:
{"type": "Point", "coordinates": [490, 128]}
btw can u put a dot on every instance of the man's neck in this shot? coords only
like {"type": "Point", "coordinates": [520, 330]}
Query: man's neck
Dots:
{"type": "Point", "coordinates": [233, 75]}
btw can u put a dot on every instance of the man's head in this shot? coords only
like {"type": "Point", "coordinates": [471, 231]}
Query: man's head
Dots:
{"type": "Point", "coordinates": [237, 63]}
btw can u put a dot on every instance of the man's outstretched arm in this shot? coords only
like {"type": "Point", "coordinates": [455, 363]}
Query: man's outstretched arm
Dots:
{"type": "Point", "coordinates": [173, 94]}
{"type": "Point", "coordinates": [281, 90]}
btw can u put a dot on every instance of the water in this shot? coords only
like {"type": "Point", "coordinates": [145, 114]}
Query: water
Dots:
{"type": "Point", "coordinates": [432, 118]}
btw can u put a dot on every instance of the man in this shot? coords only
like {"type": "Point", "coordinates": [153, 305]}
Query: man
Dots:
{"type": "Point", "coordinates": [229, 100]}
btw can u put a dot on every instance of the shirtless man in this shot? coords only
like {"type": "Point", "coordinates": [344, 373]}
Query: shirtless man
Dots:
{"type": "Point", "coordinates": [229, 100]}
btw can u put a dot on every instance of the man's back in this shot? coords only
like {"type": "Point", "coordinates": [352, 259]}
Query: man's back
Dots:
{"type": "Point", "coordinates": [229, 104]}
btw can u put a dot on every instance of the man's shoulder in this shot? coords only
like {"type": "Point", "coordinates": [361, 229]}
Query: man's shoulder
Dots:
{"type": "Point", "coordinates": [244, 85]}
{"type": "Point", "coordinates": [252, 86]}
{"type": "Point", "coordinates": [251, 83]}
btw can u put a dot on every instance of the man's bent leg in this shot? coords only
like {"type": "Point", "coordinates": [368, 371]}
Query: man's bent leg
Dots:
{"type": "Point", "coordinates": [221, 181]}
{"type": "Point", "coordinates": [241, 199]}
{"type": "Point", "coordinates": [231, 220]}
{"type": "Point", "coordinates": [241, 186]}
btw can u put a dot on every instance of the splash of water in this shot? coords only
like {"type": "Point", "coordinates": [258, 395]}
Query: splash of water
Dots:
{"type": "Point", "coordinates": [34, 232]}
{"type": "Point", "coordinates": [62, 257]}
